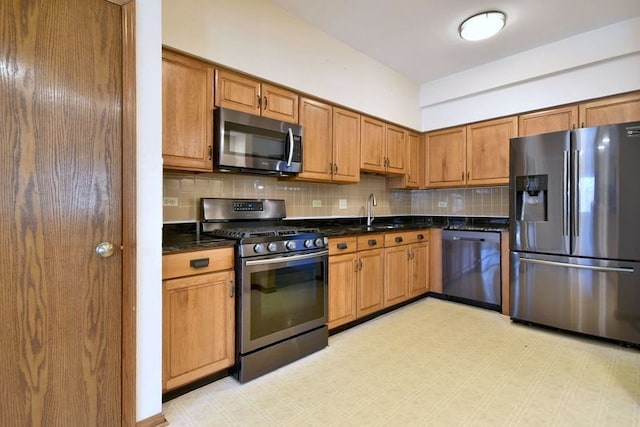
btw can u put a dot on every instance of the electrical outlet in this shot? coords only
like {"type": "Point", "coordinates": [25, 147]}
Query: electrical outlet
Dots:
{"type": "Point", "coordinates": [442, 204]}
{"type": "Point", "coordinates": [342, 204]}
{"type": "Point", "coordinates": [170, 201]}
{"type": "Point", "coordinates": [316, 203]}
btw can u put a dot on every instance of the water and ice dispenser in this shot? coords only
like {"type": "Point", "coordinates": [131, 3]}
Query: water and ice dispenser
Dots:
{"type": "Point", "coordinates": [531, 198]}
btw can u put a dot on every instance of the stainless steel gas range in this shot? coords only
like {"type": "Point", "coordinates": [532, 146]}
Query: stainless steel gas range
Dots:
{"type": "Point", "coordinates": [281, 282]}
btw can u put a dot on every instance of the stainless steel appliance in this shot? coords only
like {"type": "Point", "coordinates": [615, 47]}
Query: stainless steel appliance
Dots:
{"type": "Point", "coordinates": [574, 235]}
{"type": "Point", "coordinates": [247, 143]}
{"type": "Point", "coordinates": [471, 267]}
{"type": "Point", "coordinates": [281, 282]}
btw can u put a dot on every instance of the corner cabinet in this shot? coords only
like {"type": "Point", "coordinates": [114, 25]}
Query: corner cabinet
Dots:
{"type": "Point", "coordinates": [198, 330]}
{"type": "Point", "coordinates": [382, 148]}
{"type": "Point", "coordinates": [414, 176]}
{"type": "Point", "coordinates": [331, 142]}
{"type": "Point", "coordinates": [243, 93]}
{"type": "Point", "coordinates": [187, 113]}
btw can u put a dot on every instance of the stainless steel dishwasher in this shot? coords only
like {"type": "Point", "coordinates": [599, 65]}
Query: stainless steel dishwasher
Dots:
{"type": "Point", "coordinates": [471, 267]}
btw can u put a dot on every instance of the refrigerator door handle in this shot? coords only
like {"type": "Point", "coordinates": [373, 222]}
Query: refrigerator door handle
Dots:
{"type": "Point", "coordinates": [575, 208]}
{"type": "Point", "coordinates": [583, 267]}
{"type": "Point", "coordinates": [565, 193]}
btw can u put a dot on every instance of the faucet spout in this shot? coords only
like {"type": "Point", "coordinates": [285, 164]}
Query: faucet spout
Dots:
{"type": "Point", "coordinates": [371, 201]}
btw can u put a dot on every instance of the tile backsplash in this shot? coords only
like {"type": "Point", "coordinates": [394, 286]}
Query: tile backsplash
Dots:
{"type": "Point", "coordinates": [305, 199]}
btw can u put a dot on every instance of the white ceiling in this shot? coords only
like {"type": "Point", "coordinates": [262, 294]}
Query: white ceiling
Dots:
{"type": "Point", "coordinates": [419, 38]}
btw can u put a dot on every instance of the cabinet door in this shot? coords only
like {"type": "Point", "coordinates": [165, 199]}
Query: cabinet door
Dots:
{"type": "Point", "coordinates": [370, 282]}
{"type": "Point", "coordinates": [488, 151]}
{"type": "Point", "coordinates": [279, 103]}
{"type": "Point", "coordinates": [445, 157]}
{"type": "Point", "coordinates": [396, 146]}
{"type": "Point", "coordinates": [187, 113]}
{"type": "Point", "coordinates": [316, 120]}
{"type": "Point", "coordinates": [419, 269]}
{"type": "Point", "coordinates": [556, 119]}
{"type": "Point", "coordinates": [237, 92]}
{"type": "Point", "coordinates": [346, 146]}
{"type": "Point", "coordinates": [342, 289]}
{"type": "Point", "coordinates": [607, 111]}
{"type": "Point", "coordinates": [198, 327]}
{"type": "Point", "coordinates": [414, 165]}
{"type": "Point", "coordinates": [372, 145]}
{"type": "Point", "coordinates": [396, 275]}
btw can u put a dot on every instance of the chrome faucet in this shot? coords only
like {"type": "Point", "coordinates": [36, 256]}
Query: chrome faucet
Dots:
{"type": "Point", "coordinates": [371, 201]}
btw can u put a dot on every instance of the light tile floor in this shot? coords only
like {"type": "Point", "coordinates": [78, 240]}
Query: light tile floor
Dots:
{"type": "Point", "coordinates": [433, 363]}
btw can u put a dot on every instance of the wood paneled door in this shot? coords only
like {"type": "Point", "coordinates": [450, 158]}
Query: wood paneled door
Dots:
{"type": "Point", "coordinates": [61, 179]}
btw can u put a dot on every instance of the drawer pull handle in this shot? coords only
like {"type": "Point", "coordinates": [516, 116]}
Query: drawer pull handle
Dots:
{"type": "Point", "coordinates": [372, 242]}
{"type": "Point", "coordinates": [199, 263]}
{"type": "Point", "coordinates": [420, 236]}
{"type": "Point", "coordinates": [398, 239]}
{"type": "Point", "coordinates": [342, 246]}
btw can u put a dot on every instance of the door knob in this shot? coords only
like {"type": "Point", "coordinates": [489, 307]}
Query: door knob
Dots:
{"type": "Point", "coordinates": [105, 249]}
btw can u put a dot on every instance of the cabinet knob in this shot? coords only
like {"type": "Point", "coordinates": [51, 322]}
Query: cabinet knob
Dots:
{"type": "Point", "coordinates": [372, 242]}
{"type": "Point", "coordinates": [342, 246]}
{"type": "Point", "coordinates": [398, 239]}
{"type": "Point", "coordinates": [420, 236]}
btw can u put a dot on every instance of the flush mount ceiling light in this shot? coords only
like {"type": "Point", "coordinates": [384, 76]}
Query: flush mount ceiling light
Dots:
{"type": "Point", "coordinates": [482, 26]}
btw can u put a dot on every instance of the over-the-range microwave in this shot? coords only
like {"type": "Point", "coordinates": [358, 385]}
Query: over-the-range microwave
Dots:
{"type": "Point", "coordinates": [247, 143]}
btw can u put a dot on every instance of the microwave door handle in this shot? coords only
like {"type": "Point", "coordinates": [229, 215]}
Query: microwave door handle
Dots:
{"type": "Point", "coordinates": [290, 137]}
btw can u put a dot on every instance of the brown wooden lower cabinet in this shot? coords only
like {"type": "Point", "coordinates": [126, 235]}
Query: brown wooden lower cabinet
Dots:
{"type": "Point", "coordinates": [366, 276]}
{"type": "Point", "coordinates": [198, 316]}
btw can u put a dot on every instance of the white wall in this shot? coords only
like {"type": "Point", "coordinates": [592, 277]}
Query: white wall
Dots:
{"type": "Point", "coordinates": [590, 65]}
{"type": "Point", "coordinates": [149, 208]}
{"type": "Point", "coordinates": [261, 39]}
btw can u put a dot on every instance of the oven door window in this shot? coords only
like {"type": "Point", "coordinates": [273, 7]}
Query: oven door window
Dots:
{"type": "Point", "coordinates": [282, 299]}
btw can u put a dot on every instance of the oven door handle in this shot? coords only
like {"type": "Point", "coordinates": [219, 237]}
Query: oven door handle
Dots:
{"type": "Point", "coordinates": [287, 259]}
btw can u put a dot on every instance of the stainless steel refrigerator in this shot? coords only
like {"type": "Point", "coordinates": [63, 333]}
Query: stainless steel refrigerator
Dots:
{"type": "Point", "coordinates": [575, 230]}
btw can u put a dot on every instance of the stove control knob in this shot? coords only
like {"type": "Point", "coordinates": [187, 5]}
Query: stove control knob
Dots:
{"type": "Point", "coordinates": [319, 242]}
{"type": "Point", "coordinates": [308, 243]}
{"type": "Point", "coordinates": [258, 248]}
{"type": "Point", "coordinates": [271, 247]}
{"type": "Point", "coordinates": [291, 245]}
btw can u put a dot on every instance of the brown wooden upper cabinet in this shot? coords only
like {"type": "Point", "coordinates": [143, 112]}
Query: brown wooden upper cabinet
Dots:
{"type": "Point", "coordinates": [552, 120]}
{"type": "Point", "coordinates": [242, 93]}
{"type": "Point", "coordinates": [187, 112]}
{"type": "Point", "coordinates": [382, 148]}
{"type": "Point", "coordinates": [445, 157]}
{"type": "Point", "coordinates": [488, 151]}
{"type": "Point", "coordinates": [610, 110]}
{"type": "Point", "coordinates": [331, 143]}
{"type": "Point", "coordinates": [414, 176]}
{"type": "Point", "coordinates": [476, 154]}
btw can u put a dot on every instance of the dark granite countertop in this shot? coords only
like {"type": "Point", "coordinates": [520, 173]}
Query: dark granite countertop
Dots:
{"type": "Point", "coordinates": [184, 237]}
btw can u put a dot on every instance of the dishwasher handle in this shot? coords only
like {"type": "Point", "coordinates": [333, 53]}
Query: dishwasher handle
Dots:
{"type": "Point", "coordinates": [469, 239]}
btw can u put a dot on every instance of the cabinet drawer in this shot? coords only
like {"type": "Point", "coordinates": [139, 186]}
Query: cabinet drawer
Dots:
{"type": "Point", "coordinates": [343, 245]}
{"type": "Point", "coordinates": [196, 262]}
{"type": "Point", "coordinates": [370, 241]}
{"type": "Point", "coordinates": [406, 237]}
